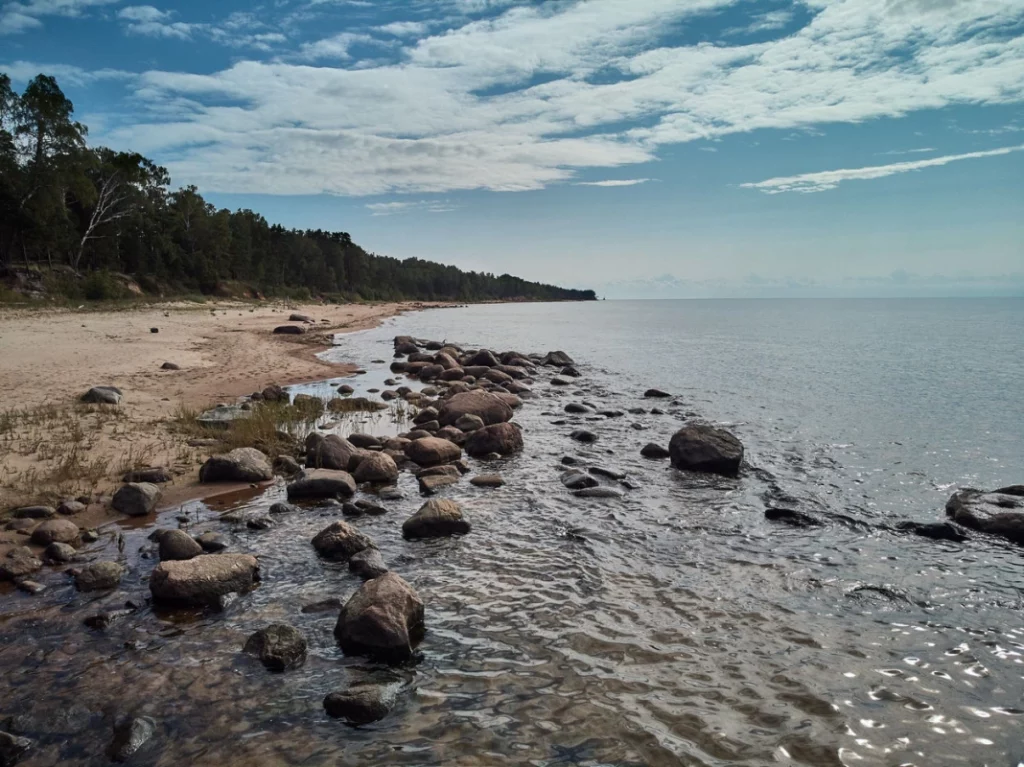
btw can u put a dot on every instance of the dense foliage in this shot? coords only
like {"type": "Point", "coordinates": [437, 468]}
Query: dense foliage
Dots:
{"type": "Point", "coordinates": [88, 213]}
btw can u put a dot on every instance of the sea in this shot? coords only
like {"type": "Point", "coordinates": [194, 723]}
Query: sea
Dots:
{"type": "Point", "coordinates": [673, 626]}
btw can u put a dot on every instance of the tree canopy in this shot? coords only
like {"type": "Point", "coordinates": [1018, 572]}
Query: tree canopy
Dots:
{"type": "Point", "coordinates": [92, 211]}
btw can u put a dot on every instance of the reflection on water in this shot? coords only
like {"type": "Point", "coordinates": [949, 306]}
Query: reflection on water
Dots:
{"type": "Point", "coordinates": [675, 626]}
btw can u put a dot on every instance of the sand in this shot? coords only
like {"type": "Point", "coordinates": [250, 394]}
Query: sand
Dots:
{"type": "Point", "coordinates": [225, 350]}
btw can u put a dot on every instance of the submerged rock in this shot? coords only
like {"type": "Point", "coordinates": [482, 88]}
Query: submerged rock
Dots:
{"type": "Point", "coordinates": [362, 703]}
{"type": "Point", "coordinates": [705, 448]}
{"type": "Point", "coordinates": [212, 542]}
{"type": "Point", "coordinates": [939, 531]}
{"type": "Point", "coordinates": [652, 450]}
{"type": "Point", "coordinates": [383, 619]}
{"type": "Point", "coordinates": [339, 541]}
{"type": "Point", "coordinates": [792, 517]}
{"type": "Point", "coordinates": [278, 646]}
{"type": "Point", "coordinates": [204, 580]}
{"type": "Point", "coordinates": [656, 394]}
{"type": "Point", "coordinates": [998, 513]}
{"type": "Point", "coordinates": [436, 518]}
{"type": "Point", "coordinates": [323, 483]}
{"type": "Point", "coordinates": [577, 480]}
{"type": "Point", "coordinates": [99, 576]}
{"type": "Point", "coordinates": [599, 492]}
{"type": "Point", "coordinates": [178, 545]}
{"type": "Point", "coordinates": [12, 748]}
{"type": "Point", "coordinates": [130, 735]}
{"type": "Point", "coordinates": [584, 436]}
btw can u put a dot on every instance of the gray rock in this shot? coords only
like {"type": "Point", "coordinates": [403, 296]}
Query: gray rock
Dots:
{"type": "Point", "coordinates": [362, 703]}
{"type": "Point", "coordinates": [34, 512]}
{"type": "Point", "coordinates": [204, 580]}
{"type": "Point", "coordinates": [130, 735]}
{"type": "Point", "coordinates": [18, 563]}
{"type": "Point", "coordinates": [323, 483]}
{"type": "Point", "coordinates": [243, 464]}
{"type": "Point", "coordinates": [330, 452]}
{"type": "Point", "coordinates": [584, 436]}
{"type": "Point", "coordinates": [136, 499]}
{"type": "Point", "coordinates": [376, 467]}
{"type": "Point", "coordinates": [259, 522]}
{"type": "Point", "coordinates": [501, 438]}
{"type": "Point", "coordinates": [577, 480]}
{"type": "Point", "coordinates": [487, 480]}
{"type": "Point", "coordinates": [577, 408]}
{"type": "Point", "coordinates": [792, 517]}
{"type": "Point", "coordinates": [431, 451]}
{"type": "Point", "coordinates": [938, 531]}
{"type": "Point", "coordinates": [431, 483]}
{"type": "Point", "coordinates": [469, 422]}
{"type": "Point", "coordinates": [383, 619]}
{"type": "Point", "coordinates": [178, 545]}
{"type": "Point", "coordinates": [103, 395]}
{"type": "Point", "coordinates": [99, 576]}
{"type": "Point", "coordinates": [286, 466]}
{"type": "Point", "coordinates": [652, 450]}
{"type": "Point", "coordinates": [296, 317]}
{"type": "Point", "coordinates": [562, 381]}
{"type": "Point", "coordinates": [289, 330]}
{"type": "Point", "coordinates": [212, 542]}
{"type": "Point", "coordinates": [489, 408]}
{"type": "Point", "coordinates": [365, 441]}
{"type": "Point", "coordinates": [436, 518]}
{"type": "Point", "coordinates": [223, 416]}
{"type": "Point", "coordinates": [152, 474]}
{"type": "Point", "coordinates": [323, 606]}
{"type": "Point", "coordinates": [278, 646]}
{"type": "Point", "coordinates": [598, 492]}
{"type": "Point", "coordinates": [59, 553]}
{"type": "Point", "coordinates": [13, 748]}
{"type": "Point", "coordinates": [55, 530]}
{"type": "Point", "coordinates": [283, 508]}
{"type": "Point", "coordinates": [367, 564]}
{"type": "Point", "coordinates": [1000, 513]}
{"type": "Point", "coordinates": [339, 541]}
{"type": "Point", "coordinates": [656, 394]}
{"type": "Point", "coordinates": [170, 366]}
{"type": "Point", "coordinates": [705, 448]}
{"type": "Point", "coordinates": [557, 359]}
{"type": "Point", "coordinates": [604, 471]}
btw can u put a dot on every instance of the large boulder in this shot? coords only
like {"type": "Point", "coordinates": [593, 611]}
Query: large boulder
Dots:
{"type": "Point", "coordinates": [55, 531]}
{"type": "Point", "coordinates": [490, 408]}
{"type": "Point", "coordinates": [431, 451]}
{"type": "Point", "coordinates": [204, 580]}
{"type": "Point", "coordinates": [99, 576]}
{"type": "Point", "coordinates": [999, 513]}
{"type": "Point", "coordinates": [483, 358]}
{"type": "Point", "coordinates": [103, 395]}
{"type": "Point", "coordinates": [557, 359]}
{"type": "Point", "coordinates": [368, 563]}
{"type": "Point", "coordinates": [383, 619]}
{"type": "Point", "coordinates": [243, 464]}
{"type": "Point", "coordinates": [436, 518]}
{"type": "Point", "coordinates": [178, 545]}
{"type": "Point", "coordinates": [278, 646]}
{"type": "Point", "coordinates": [376, 467]}
{"type": "Point", "coordinates": [136, 499]}
{"type": "Point", "coordinates": [500, 438]}
{"type": "Point", "coordinates": [339, 541]}
{"type": "Point", "coordinates": [330, 452]}
{"type": "Point", "coordinates": [323, 483]}
{"type": "Point", "coordinates": [700, 447]}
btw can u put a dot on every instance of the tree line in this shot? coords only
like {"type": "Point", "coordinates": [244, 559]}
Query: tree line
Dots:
{"type": "Point", "coordinates": [87, 213]}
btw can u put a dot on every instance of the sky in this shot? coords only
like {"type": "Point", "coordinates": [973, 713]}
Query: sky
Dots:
{"type": "Point", "coordinates": [643, 148]}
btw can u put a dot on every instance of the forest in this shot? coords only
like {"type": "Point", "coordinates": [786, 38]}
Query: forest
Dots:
{"type": "Point", "coordinates": [85, 217]}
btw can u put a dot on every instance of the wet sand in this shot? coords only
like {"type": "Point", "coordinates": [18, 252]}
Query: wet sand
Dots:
{"type": "Point", "coordinates": [225, 350]}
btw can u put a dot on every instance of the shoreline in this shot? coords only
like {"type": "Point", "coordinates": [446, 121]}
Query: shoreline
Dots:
{"type": "Point", "coordinates": [225, 350]}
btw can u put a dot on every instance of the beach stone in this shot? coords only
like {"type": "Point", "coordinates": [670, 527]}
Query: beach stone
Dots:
{"type": "Point", "coordinates": [279, 646]}
{"type": "Point", "coordinates": [131, 733]}
{"type": "Point", "coordinates": [569, 371]}
{"type": "Point", "coordinates": [275, 393]}
{"type": "Point", "coordinates": [487, 480]}
{"type": "Point", "coordinates": [136, 499]}
{"type": "Point", "coordinates": [297, 317]}
{"type": "Point", "coordinates": [55, 531]}
{"type": "Point", "coordinates": [12, 748]}
{"type": "Point", "coordinates": [153, 474]}
{"type": "Point", "coordinates": [705, 448]}
{"type": "Point", "coordinates": [363, 703]}
{"type": "Point", "coordinates": [577, 408]}
{"type": "Point", "coordinates": [34, 512]}
{"type": "Point", "coordinates": [469, 422]}
{"type": "Point", "coordinates": [339, 541]}
{"type": "Point", "coordinates": [656, 394]}
{"type": "Point", "coordinates": [604, 471]}
{"type": "Point", "coordinates": [289, 330]}
{"type": "Point", "coordinates": [212, 542]}
{"type": "Point", "coordinates": [99, 576]}
{"type": "Point", "coordinates": [285, 465]}
{"type": "Point", "coordinates": [243, 464]}
{"type": "Point", "coordinates": [489, 408]}
{"type": "Point", "coordinates": [178, 545]}
{"type": "Point", "coordinates": [557, 359]}
{"type": "Point", "coordinates": [598, 492]}
{"type": "Point", "coordinates": [404, 349]}
{"type": "Point", "coordinates": [322, 483]}
{"type": "Point", "coordinates": [436, 518]}
{"type": "Point", "coordinates": [365, 441]}
{"type": "Point", "coordinates": [376, 467]}
{"type": "Point", "coordinates": [562, 381]}
{"type": "Point", "coordinates": [501, 438]}
{"type": "Point", "coordinates": [283, 508]}
{"type": "Point", "coordinates": [103, 395]}
{"type": "Point", "coordinates": [367, 564]}
{"type": "Point", "coordinates": [483, 358]}
{"type": "Point", "coordinates": [425, 415]}
{"type": "Point", "coordinates": [203, 581]}
{"type": "Point", "coordinates": [652, 450]}
{"type": "Point", "coordinates": [431, 451]}
{"type": "Point", "coordinates": [584, 436]}
{"type": "Point", "coordinates": [345, 389]}
{"type": "Point", "coordinates": [383, 619]}
{"type": "Point", "coordinates": [59, 553]}
{"type": "Point", "coordinates": [330, 452]}
{"type": "Point", "coordinates": [998, 513]}
{"type": "Point", "coordinates": [170, 366]}
{"type": "Point", "coordinates": [432, 483]}
{"type": "Point", "coordinates": [496, 376]}
{"type": "Point", "coordinates": [18, 563]}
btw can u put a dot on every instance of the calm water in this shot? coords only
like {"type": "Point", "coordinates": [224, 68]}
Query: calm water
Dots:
{"type": "Point", "coordinates": [673, 627]}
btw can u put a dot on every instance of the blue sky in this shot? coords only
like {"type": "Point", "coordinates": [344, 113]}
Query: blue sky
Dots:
{"type": "Point", "coordinates": [641, 147]}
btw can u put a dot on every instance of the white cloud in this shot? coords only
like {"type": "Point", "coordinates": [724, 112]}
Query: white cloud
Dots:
{"type": "Point", "coordinates": [404, 28]}
{"type": "Point", "coordinates": [456, 110]}
{"type": "Point", "coordinates": [922, 150]}
{"type": "Point", "coordinates": [615, 182]}
{"type": "Point", "coordinates": [765, 22]}
{"type": "Point", "coordinates": [824, 180]}
{"type": "Point", "coordinates": [22, 16]}
{"type": "Point", "coordinates": [430, 206]}
{"type": "Point", "coordinates": [152, 22]}
{"type": "Point", "coordinates": [23, 71]}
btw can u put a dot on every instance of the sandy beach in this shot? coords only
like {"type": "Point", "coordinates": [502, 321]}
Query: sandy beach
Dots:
{"type": "Point", "coordinates": [224, 350]}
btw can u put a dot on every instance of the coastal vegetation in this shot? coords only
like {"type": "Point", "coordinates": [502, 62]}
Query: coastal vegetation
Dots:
{"type": "Point", "coordinates": [98, 224]}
